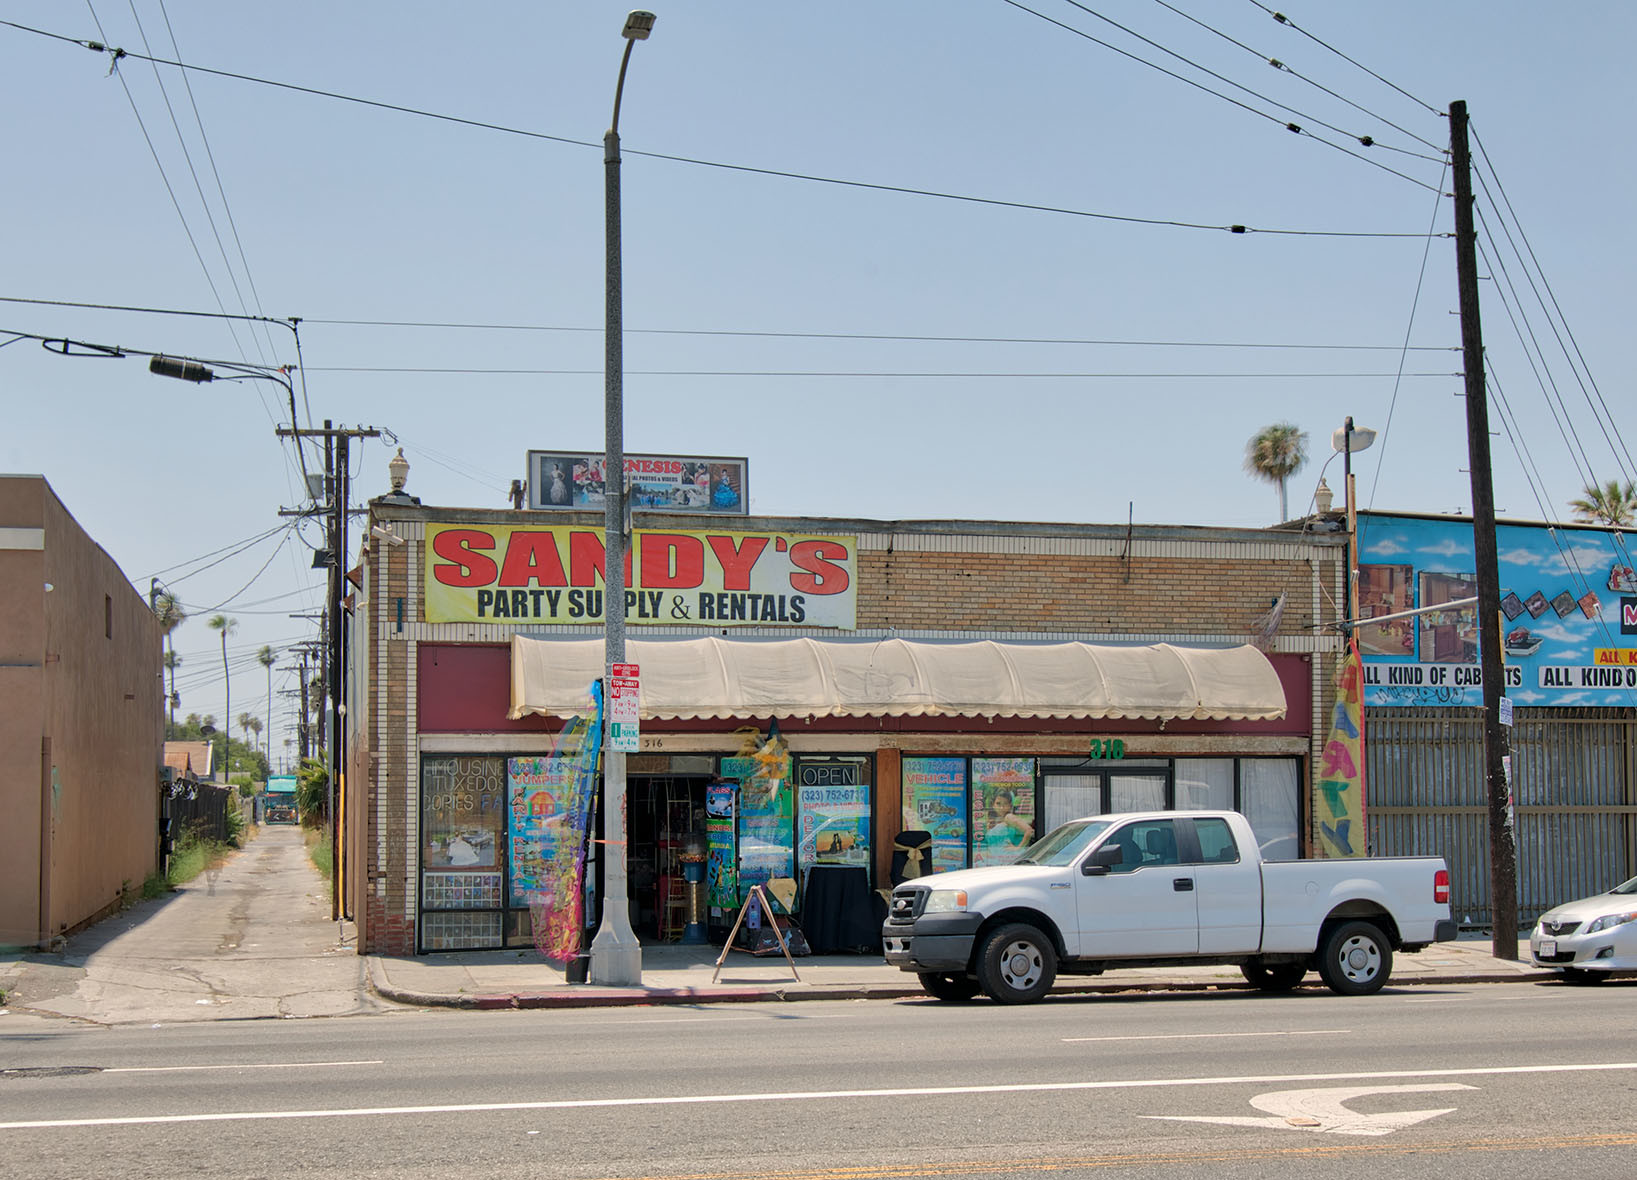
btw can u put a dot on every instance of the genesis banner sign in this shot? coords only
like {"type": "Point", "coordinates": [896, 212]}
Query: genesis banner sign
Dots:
{"type": "Point", "coordinates": [1568, 616]}
{"type": "Point", "coordinates": [553, 576]}
{"type": "Point", "coordinates": [655, 483]}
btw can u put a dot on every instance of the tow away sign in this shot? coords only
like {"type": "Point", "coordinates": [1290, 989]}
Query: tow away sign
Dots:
{"type": "Point", "coordinates": [624, 696]}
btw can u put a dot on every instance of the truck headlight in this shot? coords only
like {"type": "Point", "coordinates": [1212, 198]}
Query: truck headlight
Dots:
{"type": "Point", "coordinates": [945, 901]}
{"type": "Point", "coordinates": [1606, 922]}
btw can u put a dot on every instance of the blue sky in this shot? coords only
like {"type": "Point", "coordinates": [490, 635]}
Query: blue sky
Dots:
{"type": "Point", "coordinates": [872, 353]}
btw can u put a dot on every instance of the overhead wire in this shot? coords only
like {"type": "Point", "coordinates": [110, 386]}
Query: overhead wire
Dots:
{"type": "Point", "coordinates": [1284, 67]}
{"type": "Point", "coordinates": [221, 189]}
{"type": "Point", "coordinates": [193, 171]}
{"type": "Point", "coordinates": [775, 335]}
{"type": "Point", "coordinates": [1409, 327]}
{"type": "Point", "coordinates": [1531, 349]}
{"type": "Point", "coordinates": [1363, 140]}
{"type": "Point", "coordinates": [1531, 268]}
{"type": "Point", "coordinates": [153, 150]}
{"type": "Point", "coordinates": [871, 374]}
{"type": "Point", "coordinates": [1292, 25]}
{"type": "Point", "coordinates": [1288, 126]}
{"type": "Point", "coordinates": [1231, 228]}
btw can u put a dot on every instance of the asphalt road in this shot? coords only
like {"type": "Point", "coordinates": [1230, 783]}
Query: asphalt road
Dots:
{"type": "Point", "coordinates": [1471, 1081]}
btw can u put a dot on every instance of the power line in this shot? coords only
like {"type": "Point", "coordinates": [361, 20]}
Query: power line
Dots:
{"type": "Point", "coordinates": [877, 374]}
{"type": "Point", "coordinates": [1600, 409]}
{"type": "Point", "coordinates": [1409, 326]}
{"type": "Point", "coordinates": [1284, 68]}
{"type": "Point", "coordinates": [774, 335]}
{"type": "Point", "coordinates": [100, 47]}
{"type": "Point", "coordinates": [198, 186]}
{"type": "Point", "coordinates": [1293, 127]}
{"type": "Point", "coordinates": [1290, 24]}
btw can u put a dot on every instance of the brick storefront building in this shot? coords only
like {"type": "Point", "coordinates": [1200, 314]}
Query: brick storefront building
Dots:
{"type": "Point", "coordinates": [446, 719]}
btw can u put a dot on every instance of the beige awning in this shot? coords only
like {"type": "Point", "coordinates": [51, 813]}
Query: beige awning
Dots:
{"type": "Point", "coordinates": [714, 677]}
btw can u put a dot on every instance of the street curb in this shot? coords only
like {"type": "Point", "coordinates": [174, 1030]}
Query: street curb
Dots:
{"type": "Point", "coordinates": [591, 996]}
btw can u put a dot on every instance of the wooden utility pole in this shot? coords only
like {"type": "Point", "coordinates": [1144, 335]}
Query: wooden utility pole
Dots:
{"type": "Point", "coordinates": [1503, 844]}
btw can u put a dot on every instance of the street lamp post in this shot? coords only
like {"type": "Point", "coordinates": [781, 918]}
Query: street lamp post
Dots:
{"type": "Point", "coordinates": [616, 955]}
{"type": "Point", "coordinates": [1348, 439]}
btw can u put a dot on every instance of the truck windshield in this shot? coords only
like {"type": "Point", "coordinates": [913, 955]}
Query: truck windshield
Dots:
{"type": "Point", "coordinates": [1063, 845]}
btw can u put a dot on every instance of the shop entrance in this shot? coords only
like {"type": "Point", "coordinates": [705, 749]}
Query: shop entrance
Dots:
{"type": "Point", "coordinates": [663, 811]}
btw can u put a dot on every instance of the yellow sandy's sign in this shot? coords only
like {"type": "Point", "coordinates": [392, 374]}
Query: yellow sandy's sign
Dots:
{"type": "Point", "coordinates": [554, 576]}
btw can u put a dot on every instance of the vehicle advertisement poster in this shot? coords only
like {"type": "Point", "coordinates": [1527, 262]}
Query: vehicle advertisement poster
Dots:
{"type": "Point", "coordinates": [1002, 809]}
{"type": "Point", "coordinates": [553, 575]}
{"type": "Point", "coordinates": [935, 801]}
{"type": "Point", "coordinates": [1568, 597]}
{"type": "Point", "coordinates": [654, 483]}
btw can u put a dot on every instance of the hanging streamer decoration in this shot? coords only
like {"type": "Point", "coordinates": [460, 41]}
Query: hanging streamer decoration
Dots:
{"type": "Point", "coordinates": [552, 800]}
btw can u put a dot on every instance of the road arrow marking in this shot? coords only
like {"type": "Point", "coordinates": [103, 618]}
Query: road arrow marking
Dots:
{"type": "Point", "coordinates": [1325, 1111]}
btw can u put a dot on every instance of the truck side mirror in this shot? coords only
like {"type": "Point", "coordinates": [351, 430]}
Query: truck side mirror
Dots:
{"type": "Point", "coordinates": [1104, 859]}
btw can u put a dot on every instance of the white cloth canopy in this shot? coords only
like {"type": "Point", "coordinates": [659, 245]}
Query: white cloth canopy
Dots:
{"type": "Point", "coordinates": [714, 677]}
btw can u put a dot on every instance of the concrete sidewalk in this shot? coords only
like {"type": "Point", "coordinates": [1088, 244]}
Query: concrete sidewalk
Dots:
{"type": "Point", "coordinates": [674, 974]}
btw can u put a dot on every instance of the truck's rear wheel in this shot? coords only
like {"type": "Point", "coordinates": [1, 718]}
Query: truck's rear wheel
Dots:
{"type": "Point", "coordinates": [1016, 964]}
{"type": "Point", "coordinates": [1273, 977]}
{"type": "Point", "coordinates": [1355, 959]}
{"type": "Point", "coordinates": [944, 986]}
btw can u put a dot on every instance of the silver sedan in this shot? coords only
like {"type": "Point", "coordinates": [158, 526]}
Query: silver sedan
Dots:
{"type": "Point", "coordinates": [1590, 938]}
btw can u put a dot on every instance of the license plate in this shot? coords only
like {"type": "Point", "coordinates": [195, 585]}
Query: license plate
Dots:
{"type": "Point", "coordinates": [1548, 947]}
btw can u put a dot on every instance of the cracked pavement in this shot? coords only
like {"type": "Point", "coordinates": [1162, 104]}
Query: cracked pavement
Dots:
{"type": "Point", "coordinates": [251, 938]}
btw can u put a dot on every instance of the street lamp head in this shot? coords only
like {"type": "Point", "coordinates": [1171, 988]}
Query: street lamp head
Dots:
{"type": "Point", "coordinates": [1348, 439]}
{"type": "Point", "coordinates": [638, 25]}
{"type": "Point", "coordinates": [182, 370]}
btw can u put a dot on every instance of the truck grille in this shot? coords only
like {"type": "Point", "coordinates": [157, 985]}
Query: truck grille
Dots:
{"type": "Point", "coordinates": [907, 905]}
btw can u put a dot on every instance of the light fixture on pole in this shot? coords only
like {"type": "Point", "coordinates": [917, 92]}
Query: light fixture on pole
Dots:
{"type": "Point", "coordinates": [1347, 439]}
{"type": "Point", "coordinates": [616, 955]}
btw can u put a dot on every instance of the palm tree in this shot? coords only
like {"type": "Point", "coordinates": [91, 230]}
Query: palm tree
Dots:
{"type": "Point", "coordinates": [167, 608]}
{"type": "Point", "coordinates": [1608, 503]}
{"type": "Point", "coordinates": [226, 626]}
{"type": "Point", "coordinates": [268, 659]}
{"type": "Point", "coordinates": [1275, 453]}
{"type": "Point", "coordinates": [171, 662]}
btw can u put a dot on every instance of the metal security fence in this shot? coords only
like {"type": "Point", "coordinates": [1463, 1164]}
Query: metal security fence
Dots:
{"type": "Point", "coordinates": [1574, 783]}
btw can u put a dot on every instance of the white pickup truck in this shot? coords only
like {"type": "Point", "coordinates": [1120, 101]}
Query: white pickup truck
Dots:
{"type": "Point", "coordinates": [1149, 889]}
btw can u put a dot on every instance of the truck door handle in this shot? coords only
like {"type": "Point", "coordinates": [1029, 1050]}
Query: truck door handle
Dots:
{"type": "Point", "coordinates": [1182, 884]}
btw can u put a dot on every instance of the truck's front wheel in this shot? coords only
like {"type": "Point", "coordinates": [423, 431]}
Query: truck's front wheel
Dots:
{"type": "Point", "coordinates": [1016, 964]}
{"type": "Point", "coordinates": [946, 986]}
{"type": "Point", "coordinates": [1356, 959]}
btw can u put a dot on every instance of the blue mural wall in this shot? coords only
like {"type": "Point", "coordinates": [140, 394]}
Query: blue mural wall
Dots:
{"type": "Point", "coordinates": [1568, 605]}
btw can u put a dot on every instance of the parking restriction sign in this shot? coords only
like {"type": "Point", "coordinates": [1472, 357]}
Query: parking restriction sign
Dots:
{"type": "Point", "coordinates": [624, 694]}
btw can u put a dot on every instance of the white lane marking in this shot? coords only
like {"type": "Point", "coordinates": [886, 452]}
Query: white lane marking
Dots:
{"type": "Point", "coordinates": [818, 1095]}
{"type": "Point", "coordinates": [1325, 1111]}
{"type": "Point", "coordinates": [712, 1019]}
{"type": "Point", "coordinates": [1307, 1032]}
{"type": "Point", "coordinates": [258, 1065]}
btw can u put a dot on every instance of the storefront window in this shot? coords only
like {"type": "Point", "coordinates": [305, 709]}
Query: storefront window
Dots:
{"type": "Point", "coordinates": [463, 823]}
{"type": "Point", "coordinates": [833, 801]}
{"type": "Point", "coordinates": [1269, 790]}
{"type": "Point", "coordinates": [1136, 792]}
{"type": "Point", "coordinates": [1072, 796]}
{"type": "Point", "coordinates": [1204, 784]}
{"type": "Point", "coordinates": [1003, 809]}
{"type": "Point", "coordinates": [934, 793]}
